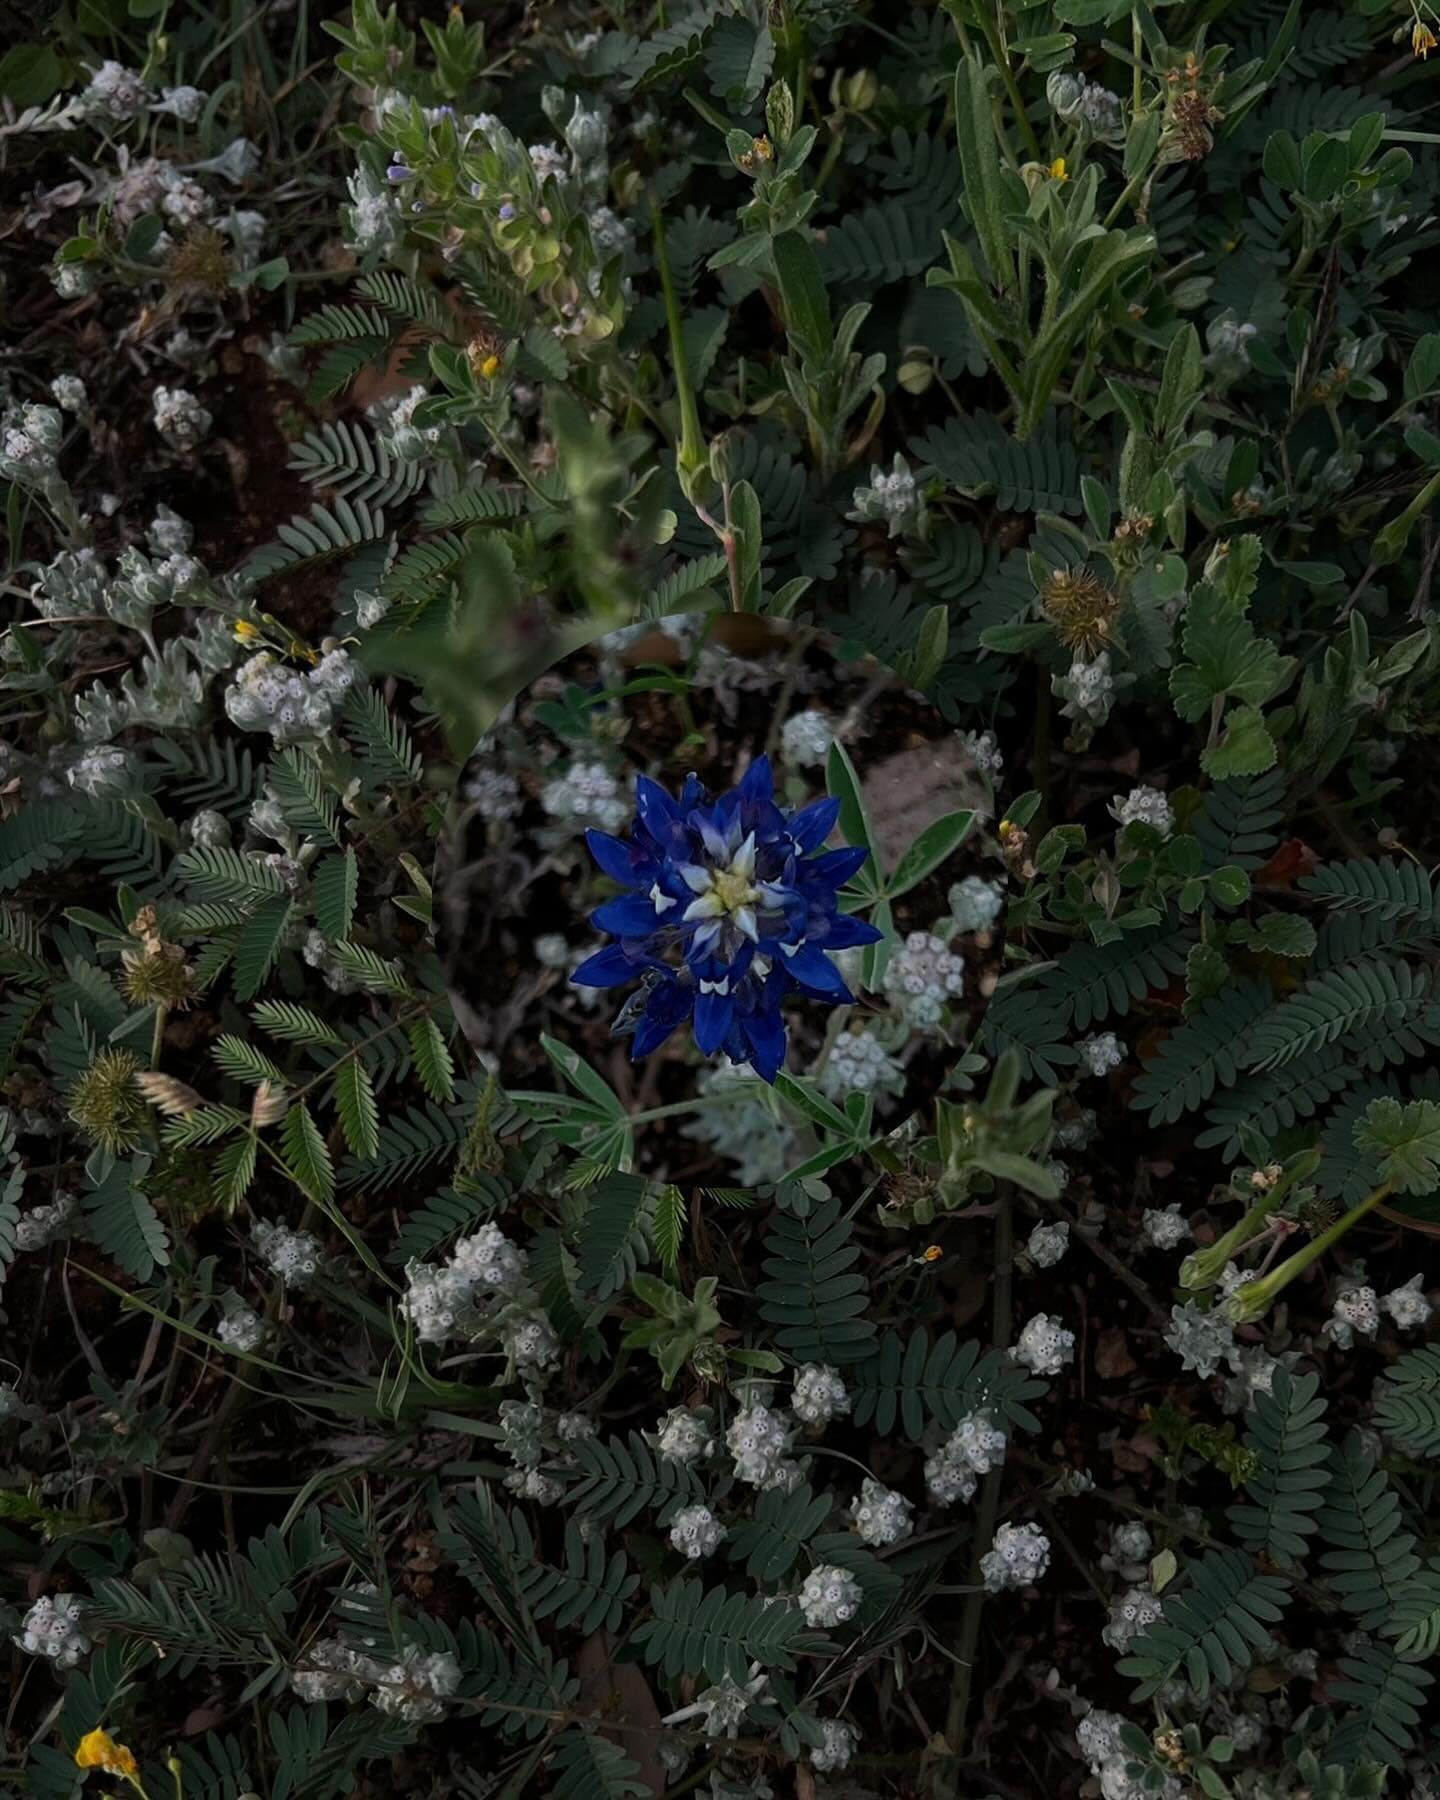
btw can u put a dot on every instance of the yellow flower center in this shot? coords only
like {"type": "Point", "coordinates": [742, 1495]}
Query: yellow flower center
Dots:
{"type": "Point", "coordinates": [735, 890]}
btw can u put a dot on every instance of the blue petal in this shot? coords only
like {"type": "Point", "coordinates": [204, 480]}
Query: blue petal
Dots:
{"type": "Point", "coordinates": [835, 866]}
{"type": "Point", "coordinates": [619, 860]}
{"type": "Point", "coordinates": [758, 782]}
{"type": "Point", "coordinates": [657, 812]}
{"type": "Point", "coordinates": [713, 1016]}
{"type": "Point", "coordinates": [846, 932]}
{"type": "Point", "coordinates": [765, 1034]}
{"type": "Point", "coordinates": [628, 916]}
{"type": "Point", "coordinates": [606, 968]}
{"type": "Point", "coordinates": [669, 1006]}
{"type": "Point", "coordinates": [813, 970]}
{"type": "Point", "coordinates": [810, 827]}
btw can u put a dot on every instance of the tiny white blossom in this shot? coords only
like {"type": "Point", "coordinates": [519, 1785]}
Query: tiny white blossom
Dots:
{"type": "Point", "coordinates": [1202, 1340]}
{"type": "Point", "coordinates": [975, 903]}
{"type": "Point", "coordinates": [52, 1629]}
{"type": "Point", "coordinates": [975, 1447]}
{"type": "Point", "coordinates": [1164, 1228]}
{"type": "Point", "coordinates": [758, 1439]}
{"type": "Point", "coordinates": [241, 1329]}
{"type": "Point", "coordinates": [489, 1261]}
{"type": "Point", "coordinates": [882, 1517]}
{"type": "Point", "coordinates": [830, 1596]}
{"type": "Point", "coordinates": [1101, 1052]}
{"type": "Point", "coordinates": [414, 1688]}
{"type": "Point", "coordinates": [69, 393]}
{"type": "Point", "coordinates": [1044, 1345]}
{"type": "Point", "coordinates": [179, 417]}
{"type": "Point", "coordinates": [839, 1746]}
{"type": "Point", "coordinates": [922, 975]}
{"type": "Point", "coordinates": [696, 1532]}
{"type": "Point", "coordinates": [1098, 1735]}
{"type": "Point", "coordinates": [294, 1256]}
{"type": "Point", "coordinates": [1047, 1244]}
{"type": "Point", "coordinates": [1019, 1556]}
{"type": "Point", "coordinates": [684, 1436]}
{"type": "Point", "coordinates": [805, 738]}
{"type": "Point", "coordinates": [1131, 1616]}
{"type": "Point", "coordinates": [330, 1673]}
{"type": "Point", "coordinates": [1355, 1310]}
{"type": "Point", "coordinates": [531, 1343]}
{"type": "Point", "coordinates": [984, 751]}
{"type": "Point", "coordinates": [819, 1394]}
{"type": "Point", "coordinates": [1407, 1305]}
{"type": "Point", "coordinates": [860, 1064]}
{"type": "Point", "coordinates": [1144, 806]}
{"type": "Point", "coordinates": [115, 92]}
{"type": "Point", "coordinates": [494, 794]}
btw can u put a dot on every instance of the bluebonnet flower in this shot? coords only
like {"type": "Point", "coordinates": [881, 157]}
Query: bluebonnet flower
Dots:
{"type": "Point", "coordinates": [399, 170]}
{"type": "Point", "coordinates": [741, 889]}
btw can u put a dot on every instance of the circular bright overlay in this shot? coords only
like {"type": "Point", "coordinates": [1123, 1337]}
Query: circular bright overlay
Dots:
{"type": "Point", "coordinates": [718, 903]}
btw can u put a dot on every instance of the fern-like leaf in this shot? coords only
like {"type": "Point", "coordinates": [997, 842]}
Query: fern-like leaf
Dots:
{"type": "Point", "coordinates": [717, 1634]}
{"type": "Point", "coordinates": [1407, 1402]}
{"type": "Point", "coordinates": [814, 1295]}
{"type": "Point", "coordinates": [1211, 1628]}
{"type": "Point", "coordinates": [1286, 1434]}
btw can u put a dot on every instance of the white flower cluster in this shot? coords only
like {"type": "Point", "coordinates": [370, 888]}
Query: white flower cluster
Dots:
{"type": "Point", "coordinates": [103, 773]}
{"type": "Point", "coordinates": [759, 1441]}
{"type": "Point", "coordinates": [744, 1131]}
{"type": "Point", "coordinates": [47, 1223]}
{"type": "Point", "coordinates": [587, 792]}
{"type": "Point", "coordinates": [1044, 1345]}
{"type": "Point", "coordinates": [830, 1596]}
{"type": "Point", "coordinates": [1047, 1244]}
{"type": "Point", "coordinates": [1098, 1735]}
{"type": "Point", "coordinates": [179, 417]}
{"type": "Point", "coordinates": [1129, 1552]}
{"type": "Point", "coordinates": [412, 1689]}
{"type": "Point", "coordinates": [835, 1753]}
{"type": "Point", "coordinates": [974, 1448]}
{"type": "Point", "coordinates": [1085, 103]}
{"type": "Point", "coordinates": [375, 224]}
{"type": "Point", "coordinates": [266, 696]}
{"type": "Point", "coordinates": [442, 1302]}
{"type": "Point", "coordinates": [1131, 1616]}
{"type": "Point", "coordinates": [395, 419]}
{"type": "Point", "coordinates": [115, 93]}
{"type": "Point", "coordinates": [922, 976]}
{"type": "Point", "coordinates": [1202, 1340]}
{"type": "Point", "coordinates": [892, 497]}
{"type": "Point", "coordinates": [30, 441]}
{"type": "Point", "coordinates": [1019, 1556]}
{"type": "Point", "coordinates": [1407, 1305]}
{"type": "Point", "coordinates": [1144, 806]}
{"type": "Point", "coordinates": [860, 1064]}
{"type": "Point", "coordinates": [68, 393]}
{"type": "Point", "coordinates": [1088, 690]}
{"type": "Point", "coordinates": [684, 1436]}
{"type": "Point", "coordinates": [1356, 1309]}
{"type": "Point", "coordinates": [1164, 1228]}
{"type": "Point", "coordinates": [805, 738]}
{"type": "Point", "coordinates": [494, 794]}
{"type": "Point", "coordinates": [530, 1343]}
{"type": "Point", "coordinates": [722, 1707]}
{"type": "Point", "coordinates": [1101, 1052]}
{"type": "Point", "coordinates": [819, 1395]}
{"type": "Point", "coordinates": [241, 1329]}
{"type": "Point", "coordinates": [1253, 1373]}
{"type": "Point", "coordinates": [52, 1629]}
{"type": "Point", "coordinates": [294, 1256]}
{"type": "Point", "coordinates": [975, 903]}
{"type": "Point", "coordinates": [696, 1532]}
{"type": "Point", "coordinates": [882, 1517]}
{"type": "Point", "coordinates": [984, 751]}
{"type": "Point", "coordinates": [525, 1434]}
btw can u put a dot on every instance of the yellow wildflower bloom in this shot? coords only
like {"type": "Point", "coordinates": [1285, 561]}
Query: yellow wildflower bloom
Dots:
{"type": "Point", "coordinates": [1422, 39]}
{"type": "Point", "coordinates": [98, 1750]}
{"type": "Point", "coordinates": [1058, 170]}
{"type": "Point", "coordinates": [246, 633]}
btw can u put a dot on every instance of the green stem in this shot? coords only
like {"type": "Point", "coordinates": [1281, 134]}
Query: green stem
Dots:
{"type": "Point", "coordinates": [1012, 87]}
{"type": "Point", "coordinates": [957, 1714]}
{"type": "Point", "coordinates": [691, 452]}
{"type": "Point", "coordinates": [1254, 1299]}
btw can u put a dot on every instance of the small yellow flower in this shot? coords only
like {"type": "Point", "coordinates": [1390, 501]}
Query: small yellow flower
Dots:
{"type": "Point", "coordinates": [490, 367]}
{"type": "Point", "coordinates": [931, 1253]}
{"type": "Point", "coordinates": [1058, 171]}
{"type": "Point", "coordinates": [98, 1750]}
{"type": "Point", "coordinates": [1422, 39]}
{"type": "Point", "coordinates": [762, 149]}
{"type": "Point", "coordinates": [246, 633]}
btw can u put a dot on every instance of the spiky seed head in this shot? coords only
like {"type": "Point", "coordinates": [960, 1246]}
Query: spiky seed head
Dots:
{"type": "Point", "coordinates": [106, 1102]}
{"type": "Point", "coordinates": [1082, 610]}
